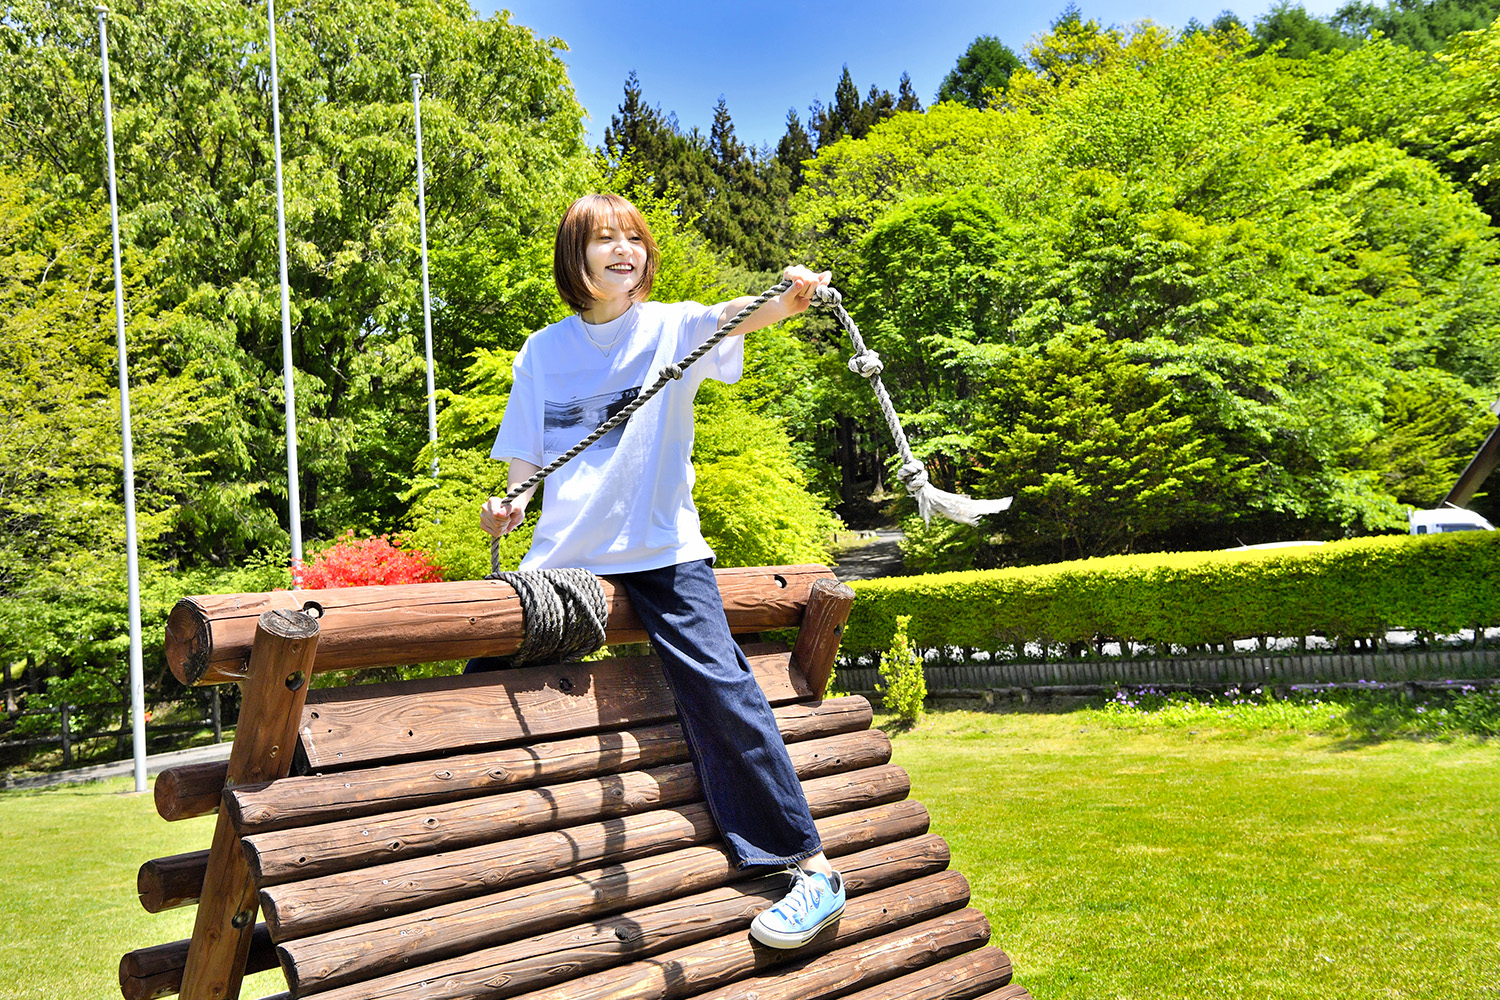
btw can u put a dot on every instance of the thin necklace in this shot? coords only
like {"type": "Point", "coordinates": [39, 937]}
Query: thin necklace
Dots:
{"type": "Point", "coordinates": [618, 325]}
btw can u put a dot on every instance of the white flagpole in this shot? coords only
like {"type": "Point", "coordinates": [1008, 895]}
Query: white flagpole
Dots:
{"type": "Point", "coordinates": [416, 100]}
{"type": "Point", "coordinates": [294, 500]}
{"type": "Point", "coordinates": [132, 569]}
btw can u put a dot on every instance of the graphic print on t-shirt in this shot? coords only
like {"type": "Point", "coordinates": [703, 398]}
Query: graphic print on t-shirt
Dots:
{"type": "Point", "coordinates": [567, 422]}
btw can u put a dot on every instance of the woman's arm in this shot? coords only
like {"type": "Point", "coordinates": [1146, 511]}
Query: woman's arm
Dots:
{"type": "Point", "coordinates": [789, 303]}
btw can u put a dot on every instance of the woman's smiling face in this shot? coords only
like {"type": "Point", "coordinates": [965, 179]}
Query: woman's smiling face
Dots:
{"type": "Point", "coordinates": [616, 258]}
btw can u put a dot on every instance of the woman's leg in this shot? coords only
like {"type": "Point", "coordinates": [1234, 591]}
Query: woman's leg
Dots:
{"type": "Point", "coordinates": [748, 780]}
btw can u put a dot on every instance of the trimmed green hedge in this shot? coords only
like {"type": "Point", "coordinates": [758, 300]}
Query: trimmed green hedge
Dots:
{"type": "Point", "coordinates": [1364, 587]}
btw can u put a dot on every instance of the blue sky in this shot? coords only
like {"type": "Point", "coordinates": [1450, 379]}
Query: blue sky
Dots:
{"type": "Point", "coordinates": [765, 58]}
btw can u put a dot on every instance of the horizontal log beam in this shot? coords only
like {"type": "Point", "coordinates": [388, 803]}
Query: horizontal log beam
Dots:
{"type": "Point", "coordinates": [208, 637]}
{"type": "Point", "coordinates": [866, 963]}
{"type": "Point", "coordinates": [306, 852]}
{"type": "Point", "coordinates": [356, 726]}
{"type": "Point", "coordinates": [584, 941]}
{"type": "Point", "coordinates": [173, 881]}
{"type": "Point", "coordinates": [963, 977]}
{"type": "Point", "coordinates": [1015, 991]}
{"type": "Point", "coordinates": [147, 973]}
{"type": "Point", "coordinates": [318, 798]}
{"type": "Point", "coordinates": [331, 901]}
{"type": "Point", "coordinates": [354, 953]}
{"type": "Point", "coordinates": [906, 914]}
{"type": "Point", "coordinates": [189, 790]}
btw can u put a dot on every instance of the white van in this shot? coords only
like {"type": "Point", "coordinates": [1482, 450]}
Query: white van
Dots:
{"type": "Point", "coordinates": [1450, 518]}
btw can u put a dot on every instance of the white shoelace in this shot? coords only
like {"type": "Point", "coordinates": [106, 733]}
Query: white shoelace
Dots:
{"type": "Point", "coordinates": [802, 898]}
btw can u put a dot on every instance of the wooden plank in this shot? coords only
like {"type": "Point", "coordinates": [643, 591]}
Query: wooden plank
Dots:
{"type": "Point", "coordinates": [208, 637]}
{"type": "Point", "coordinates": [273, 692]}
{"type": "Point", "coordinates": [896, 916]}
{"type": "Point", "coordinates": [828, 607]}
{"type": "Point", "coordinates": [581, 945]}
{"type": "Point", "coordinates": [305, 852]}
{"type": "Point", "coordinates": [147, 973]}
{"type": "Point", "coordinates": [346, 898]}
{"type": "Point", "coordinates": [343, 727]}
{"type": "Point", "coordinates": [962, 977]}
{"type": "Point", "coordinates": [306, 799]}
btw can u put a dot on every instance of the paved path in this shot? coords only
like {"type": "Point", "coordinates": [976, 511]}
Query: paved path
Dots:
{"type": "Point", "coordinates": [155, 763]}
{"type": "Point", "coordinates": [880, 556]}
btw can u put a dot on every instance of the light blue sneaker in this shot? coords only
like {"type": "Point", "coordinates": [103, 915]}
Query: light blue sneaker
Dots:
{"type": "Point", "coordinates": [814, 902]}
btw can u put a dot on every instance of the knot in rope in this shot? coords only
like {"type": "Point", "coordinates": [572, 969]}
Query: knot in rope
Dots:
{"type": "Point", "coordinates": [913, 476]}
{"type": "Point", "coordinates": [866, 363]}
{"type": "Point", "coordinates": [563, 614]}
{"type": "Point", "coordinates": [671, 371]}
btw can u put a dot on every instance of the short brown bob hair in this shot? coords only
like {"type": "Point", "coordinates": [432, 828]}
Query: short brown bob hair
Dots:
{"type": "Point", "coordinates": [580, 223]}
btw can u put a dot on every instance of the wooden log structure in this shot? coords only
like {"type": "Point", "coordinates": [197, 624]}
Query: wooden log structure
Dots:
{"type": "Point", "coordinates": [537, 832]}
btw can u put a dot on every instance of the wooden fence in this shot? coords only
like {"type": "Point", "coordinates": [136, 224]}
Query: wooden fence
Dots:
{"type": "Point", "coordinates": [973, 679]}
{"type": "Point", "coordinates": [67, 736]}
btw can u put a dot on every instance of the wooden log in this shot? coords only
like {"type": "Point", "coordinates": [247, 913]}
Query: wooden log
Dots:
{"type": "Point", "coordinates": [177, 880]}
{"type": "Point", "coordinates": [189, 790]}
{"type": "Point", "coordinates": [330, 901]}
{"type": "Point", "coordinates": [828, 607]}
{"type": "Point", "coordinates": [307, 799]}
{"type": "Point", "coordinates": [305, 852]}
{"type": "Point", "coordinates": [208, 637]}
{"type": "Point", "coordinates": [910, 914]}
{"type": "Point", "coordinates": [582, 945]}
{"type": "Point", "coordinates": [271, 706]}
{"type": "Point", "coordinates": [352, 954]}
{"type": "Point", "coordinates": [963, 977]}
{"type": "Point", "coordinates": [865, 964]}
{"type": "Point", "coordinates": [1015, 991]}
{"type": "Point", "coordinates": [173, 881]}
{"type": "Point", "coordinates": [346, 727]}
{"type": "Point", "coordinates": [147, 973]}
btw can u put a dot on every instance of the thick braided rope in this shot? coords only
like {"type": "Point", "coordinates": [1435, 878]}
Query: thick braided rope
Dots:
{"type": "Point", "coordinates": [867, 363]}
{"type": "Point", "coordinates": [666, 375]}
{"type": "Point", "coordinates": [563, 614]}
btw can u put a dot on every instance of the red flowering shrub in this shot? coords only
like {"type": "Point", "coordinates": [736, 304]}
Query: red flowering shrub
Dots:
{"type": "Point", "coordinates": [366, 562]}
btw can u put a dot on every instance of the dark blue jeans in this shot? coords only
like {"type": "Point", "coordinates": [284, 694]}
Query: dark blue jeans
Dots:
{"type": "Point", "coordinates": [748, 779]}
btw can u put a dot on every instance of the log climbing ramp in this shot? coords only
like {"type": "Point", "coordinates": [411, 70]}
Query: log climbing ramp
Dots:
{"type": "Point", "coordinates": [537, 832]}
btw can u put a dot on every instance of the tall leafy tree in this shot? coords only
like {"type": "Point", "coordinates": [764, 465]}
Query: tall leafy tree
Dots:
{"type": "Point", "coordinates": [504, 146]}
{"type": "Point", "coordinates": [794, 149]}
{"type": "Point", "coordinates": [1297, 34]}
{"type": "Point", "coordinates": [981, 73]}
{"type": "Point", "coordinates": [1160, 195]}
{"type": "Point", "coordinates": [1420, 26]}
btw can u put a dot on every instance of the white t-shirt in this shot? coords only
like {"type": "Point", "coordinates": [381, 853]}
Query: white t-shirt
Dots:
{"type": "Point", "coordinates": [625, 504]}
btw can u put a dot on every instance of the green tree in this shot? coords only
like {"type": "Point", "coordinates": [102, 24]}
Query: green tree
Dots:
{"type": "Point", "coordinates": [1297, 34]}
{"type": "Point", "coordinates": [1167, 195]}
{"type": "Point", "coordinates": [981, 73]}
{"type": "Point", "coordinates": [1097, 452]}
{"type": "Point", "coordinates": [1463, 121]}
{"type": "Point", "coordinates": [1419, 26]}
{"type": "Point", "coordinates": [192, 119]}
{"type": "Point", "coordinates": [62, 516]}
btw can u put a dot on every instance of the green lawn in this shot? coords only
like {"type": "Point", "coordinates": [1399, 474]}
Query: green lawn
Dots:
{"type": "Point", "coordinates": [1123, 862]}
{"type": "Point", "coordinates": [1113, 861]}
